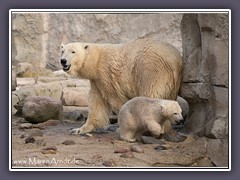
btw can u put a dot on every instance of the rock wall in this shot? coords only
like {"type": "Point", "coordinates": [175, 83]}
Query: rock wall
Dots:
{"type": "Point", "coordinates": [205, 73]}
{"type": "Point", "coordinates": [37, 37]}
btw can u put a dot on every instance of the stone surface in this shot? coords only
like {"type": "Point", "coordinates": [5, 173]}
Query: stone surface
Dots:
{"type": "Point", "coordinates": [29, 140]}
{"type": "Point", "coordinates": [217, 151]}
{"type": "Point", "coordinates": [14, 81]}
{"type": "Point", "coordinates": [15, 100]}
{"type": "Point", "coordinates": [60, 73]}
{"type": "Point", "coordinates": [33, 32]}
{"type": "Point", "coordinates": [26, 126]}
{"type": "Point", "coordinates": [75, 113]}
{"type": "Point", "coordinates": [46, 79]}
{"type": "Point", "coordinates": [40, 109]}
{"type": "Point", "coordinates": [26, 81]}
{"type": "Point", "coordinates": [49, 150]}
{"type": "Point", "coordinates": [137, 149]}
{"type": "Point", "coordinates": [32, 133]}
{"type": "Point", "coordinates": [75, 97]}
{"type": "Point", "coordinates": [109, 163]}
{"type": "Point", "coordinates": [205, 73]}
{"type": "Point", "coordinates": [46, 124]}
{"type": "Point", "coordinates": [68, 142]}
{"type": "Point", "coordinates": [151, 140]}
{"type": "Point", "coordinates": [122, 150]}
{"type": "Point", "coordinates": [127, 155]}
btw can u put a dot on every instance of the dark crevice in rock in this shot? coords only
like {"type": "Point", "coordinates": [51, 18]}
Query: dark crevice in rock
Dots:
{"type": "Point", "coordinates": [220, 85]}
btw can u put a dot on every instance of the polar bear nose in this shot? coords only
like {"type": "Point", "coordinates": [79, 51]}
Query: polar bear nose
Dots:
{"type": "Point", "coordinates": [63, 62]}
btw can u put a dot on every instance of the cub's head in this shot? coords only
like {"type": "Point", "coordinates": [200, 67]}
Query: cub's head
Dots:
{"type": "Point", "coordinates": [172, 111]}
{"type": "Point", "coordinates": [72, 57]}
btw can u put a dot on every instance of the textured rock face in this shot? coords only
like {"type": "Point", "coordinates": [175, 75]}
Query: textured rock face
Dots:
{"type": "Point", "coordinates": [205, 73]}
{"type": "Point", "coordinates": [37, 37]}
{"type": "Point", "coordinates": [40, 109]}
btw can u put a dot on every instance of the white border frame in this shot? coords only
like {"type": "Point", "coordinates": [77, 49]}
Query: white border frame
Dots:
{"type": "Point", "coordinates": [113, 11]}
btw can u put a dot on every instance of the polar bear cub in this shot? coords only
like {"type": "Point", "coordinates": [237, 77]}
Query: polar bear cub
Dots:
{"type": "Point", "coordinates": [142, 114]}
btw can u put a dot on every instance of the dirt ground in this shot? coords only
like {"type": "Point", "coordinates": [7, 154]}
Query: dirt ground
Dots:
{"type": "Point", "coordinates": [44, 147]}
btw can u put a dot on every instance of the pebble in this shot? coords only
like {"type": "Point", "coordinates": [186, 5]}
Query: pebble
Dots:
{"type": "Point", "coordinates": [29, 140]}
{"type": "Point", "coordinates": [160, 148]}
{"type": "Point", "coordinates": [32, 133]}
{"type": "Point", "coordinates": [68, 142]}
{"type": "Point", "coordinates": [49, 150]}
{"type": "Point", "coordinates": [109, 163]}
{"type": "Point", "coordinates": [137, 149]}
{"type": "Point", "coordinates": [40, 142]}
{"type": "Point", "coordinates": [151, 140]}
{"type": "Point", "coordinates": [127, 155]}
{"type": "Point", "coordinates": [47, 123]}
{"type": "Point", "coordinates": [26, 126]}
{"type": "Point", "coordinates": [122, 150]}
{"type": "Point", "coordinates": [112, 127]}
{"type": "Point", "coordinates": [205, 162]}
{"type": "Point", "coordinates": [174, 137]}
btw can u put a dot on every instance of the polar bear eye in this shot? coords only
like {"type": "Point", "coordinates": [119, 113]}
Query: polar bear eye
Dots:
{"type": "Point", "coordinates": [175, 113]}
{"type": "Point", "coordinates": [73, 52]}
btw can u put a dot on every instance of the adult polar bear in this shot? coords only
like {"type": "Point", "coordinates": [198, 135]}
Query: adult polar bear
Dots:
{"type": "Point", "coordinates": [120, 72]}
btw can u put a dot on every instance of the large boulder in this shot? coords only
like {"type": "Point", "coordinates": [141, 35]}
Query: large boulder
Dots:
{"type": "Point", "coordinates": [205, 73]}
{"type": "Point", "coordinates": [40, 109]}
{"type": "Point", "coordinates": [75, 97]}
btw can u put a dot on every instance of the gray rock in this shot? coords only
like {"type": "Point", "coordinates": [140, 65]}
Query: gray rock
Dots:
{"type": "Point", "coordinates": [113, 127]}
{"type": "Point", "coordinates": [26, 81]}
{"type": "Point", "coordinates": [29, 140]}
{"type": "Point", "coordinates": [205, 73]}
{"type": "Point", "coordinates": [49, 150]}
{"type": "Point", "coordinates": [109, 163]}
{"type": "Point", "coordinates": [40, 142]}
{"type": "Point", "coordinates": [14, 81]}
{"type": "Point", "coordinates": [122, 150]}
{"type": "Point", "coordinates": [68, 142]}
{"type": "Point", "coordinates": [32, 133]}
{"type": "Point", "coordinates": [40, 109]}
{"type": "Point", "coordinates": [217, 151]}
{"type": "Point", "coordinates": [151, 140]}
{"type": "Point", "coordinates": [127, 155]}
{"type": "Point", "coordinates": [15, 100]}
{"type": "Point", "coordinates": [26, 126]}
{"type": "Point", "coordinates": [21, 68]}
{"type": "Point", "coordinates": [75, 97]}
{"type": "Point", "coordinates": [75, 113]}
{"type": "Point", "coordinates": [205, 162]}
{"type": "Point", "coordinates": [60, 73]}
{"type": "Point", "coordinates": [46, 79]}
{"type": "Point", "coordinates": [160, 148]}
{"type": "Point", "coordinates": [137, 149]}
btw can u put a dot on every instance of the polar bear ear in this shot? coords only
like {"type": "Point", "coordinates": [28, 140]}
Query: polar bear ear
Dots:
{"type": "Point", "coordinates": [164, 110]}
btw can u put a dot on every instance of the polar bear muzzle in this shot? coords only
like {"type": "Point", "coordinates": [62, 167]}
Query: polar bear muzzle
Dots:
{"type": "Point", "coordinates": [64, 64]}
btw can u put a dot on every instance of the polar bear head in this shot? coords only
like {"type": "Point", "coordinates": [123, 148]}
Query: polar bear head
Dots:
{"type": "Point", "coordinates": [73, 56]}
{"type": "Point", "coordinates": [171, 110]}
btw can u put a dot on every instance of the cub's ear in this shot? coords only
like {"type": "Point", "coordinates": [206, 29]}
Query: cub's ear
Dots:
{"type": "Point", "coordinates": [86, 47]}
{"type": "Point", "coordinates": [163, 108]}
{"type": "Point", "coordinates": [62, 45]}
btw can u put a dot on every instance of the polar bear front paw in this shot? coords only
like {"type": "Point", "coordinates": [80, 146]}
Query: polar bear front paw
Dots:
{"type": "Point", "coordinates": [83, 130]}
{"type": "Point", "coordinates": [76, 131]}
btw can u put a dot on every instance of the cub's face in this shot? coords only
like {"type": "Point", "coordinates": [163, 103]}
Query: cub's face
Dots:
{"type": "Point", "coordinates": [172, 111]}
{"type": "Point", "coordinates": [72, 57]}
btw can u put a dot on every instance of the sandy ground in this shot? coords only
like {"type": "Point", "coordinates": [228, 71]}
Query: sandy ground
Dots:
{"type": "Point", "coordinates": [99, 149]}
